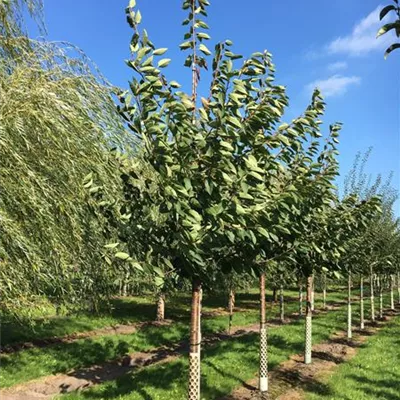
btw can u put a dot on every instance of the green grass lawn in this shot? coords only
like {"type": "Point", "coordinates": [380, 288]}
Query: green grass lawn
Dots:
{"type": "Point", "coordinates": [50, 325]}
{"type": "Point", "coordinates": [46, 324]}
{"type": "Point", "coordinates": [373, 374]}
{"type": "Point", "coordinates": [225, 365]}
{"type": "Point", "coordinates": [33, 363]}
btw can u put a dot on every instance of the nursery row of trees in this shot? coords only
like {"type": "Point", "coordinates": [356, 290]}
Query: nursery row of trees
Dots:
{"type": "Point", "coordinates": [234, 188]}
{"type": "Point", "coordinates": [171, 189]}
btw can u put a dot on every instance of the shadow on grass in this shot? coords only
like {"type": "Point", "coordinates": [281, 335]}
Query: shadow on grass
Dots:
{"type": "Point", "coordinates": [296, 379]}
{"type": "Point", "coordinates": [45, 331]}
{"type": "Point", "coordinates": [378, 388]}
{"type": "Point", "coordinates": [217, 375]}
{"type": "Point", "coordinates": [61, 358]}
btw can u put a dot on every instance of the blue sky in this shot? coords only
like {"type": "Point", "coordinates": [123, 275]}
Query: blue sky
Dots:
{"type": "Point", "coordinates": [330, 44]}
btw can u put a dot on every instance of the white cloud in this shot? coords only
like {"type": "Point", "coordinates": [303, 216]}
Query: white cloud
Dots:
{"type": "Point", "coordinates": [335, 85]}
{"type": "Point", "coordinates": [337, 66]}
{"type": "Point", "coordinates": [362, 40]}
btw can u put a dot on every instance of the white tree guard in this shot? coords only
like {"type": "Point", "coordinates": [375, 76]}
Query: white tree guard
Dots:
{"type": "Point", "coordinates": [194, 376]}
{"type": "Point", "coordinates": [308, 347]}
{"type": "Point", "coordinates": [372, 308]}
{"type": "Point", "coordinates": [391, 293]}
{"type": "Point", "coordinates": [362, 322]}
{"type": "Point", "coordinates": [349, 330]}
{"type": "Point", "coordinates": [263, 360]}
{"type": "Point", "coordinates": [398, 287]}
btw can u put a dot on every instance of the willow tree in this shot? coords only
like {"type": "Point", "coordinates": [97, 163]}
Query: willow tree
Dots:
{"type": "Point", "coordinates": [57, 120]}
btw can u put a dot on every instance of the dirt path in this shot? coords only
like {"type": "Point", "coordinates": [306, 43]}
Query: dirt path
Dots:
{"type": "Point", "coordinates": [292, 377]}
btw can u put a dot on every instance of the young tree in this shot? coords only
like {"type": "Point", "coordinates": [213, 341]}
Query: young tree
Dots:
{"type": "Point", "coordinates": [212, 163]}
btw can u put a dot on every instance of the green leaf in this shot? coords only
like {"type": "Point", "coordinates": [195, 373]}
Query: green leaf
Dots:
{"type": "Point", "coordinates": [227, 178]}
{"type": "Point", "coordinates": [195, 215]}
{"type": "Point", "coordinates": [138, 17]}
{"type": "Point", "coordinates": [214, 210]}
{"type": "Point", "coordinates": [88, 184]}
{"type": "Point", "coordinates": [203, 35]}
{"type": "Point", "coordinates": [391, 48]}
{"type": "Point", "coordinates": [111, 245]}
{"type": "Point", "coordinates": [158, 271]}
{"type": "Point", "coordinates": [274, 237]}
{"type": "Point", "coordinates": [159, 282]}
{"type": "Point", "coordinates": [388, 27]}
{"type": "Point", "coordinates": [231, 236]}
{"type": "Point", "coordinates": [164, 62]}
{"type": "Point", "coordinates": [132, 3]}
{"type": "Point", "coordinates": [337, 275]}
{"type": "Point", "coordinates": [122, 256]}
{"type": "Point", "coordinates": [185, 45]}
{"type": "Point", "coordinates": [160, 52]}
{"type": "Point", "coordinates": [226, 145]}
{"type": "Point", "coordinates": [203, 48]}
{"type": "Point", "coordinates": [386, 10]}
{"type": "Point", "coordinates": [88, 177]}
{"type": "Point", "coordinates": [202, 24]}
{"type": "Point", "coordinates": [263, 232]}
{"type": "Point", "coordinates": [136, 265]}
{"type": "Point", "coordinates": [257, 176]}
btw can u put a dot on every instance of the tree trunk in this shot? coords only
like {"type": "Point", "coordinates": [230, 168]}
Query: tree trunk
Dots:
{"type": "Point", "coordinates": [362, 325]}
{"type": "Point", "coordinates": [300, 299]}
{"type": "Point", "coordinates": [199, 319]}
{"type": "Point", "coordinates": [160, 308]}
{"type": "Point", "coordinates": [391, 292]}
{"type": "Point", "coordinates": [312, 294]}
{"type": "Point", "coordinates": [371, 286]}
{"type": "Point", "coordinates": [398, 285]}
{"type": "Point", "coordinates": [324, 291]}
{"type": "Point", "coordinates": [282, 305]}
{"type": "Point", "coordinates": [380, 297]}
{"type": "Point", "coordinates": [195, 341]}
{"type": "Point", "coordinates": [274, 295]}
{"type": "Point", "coordinates": [263, 383]}
{"type": "Point", "coordinates": [308, 330]}
{"type": "Point", "coordinates": [231, 305]}
{"type": "Point", "coordinates": [125, 284]}
{"type": "Point", "coordinates": [349, 330]}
